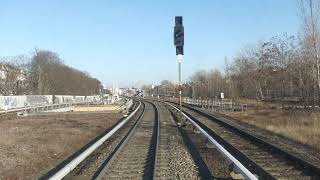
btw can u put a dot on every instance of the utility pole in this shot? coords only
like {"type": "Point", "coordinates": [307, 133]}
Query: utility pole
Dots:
{"type": "Point", "coordinates": [179, 42]}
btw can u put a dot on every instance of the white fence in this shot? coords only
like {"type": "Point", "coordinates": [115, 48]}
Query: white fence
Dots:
{"type": "Point", "coordinates": [217, 104]}
{"type": "Point", "coordinates": [14, 102]}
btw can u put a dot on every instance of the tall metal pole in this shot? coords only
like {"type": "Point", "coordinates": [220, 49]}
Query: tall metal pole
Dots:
{"type": "Point", "coordinates": [180, 59]}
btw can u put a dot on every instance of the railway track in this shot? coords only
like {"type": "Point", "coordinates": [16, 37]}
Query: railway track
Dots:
{"type": "Point", "coordinates": [143, 147]}
{"type": "Point", "coordinates": [263, 159]}
{"type": "Point", "coordinates": [92, 164]}
{"type": "Point", "coordinates": [136, 156]}
{"type": "Point", "coordinates": [132, 152]}
{"type": "Point", "coordinates": [83, 157]}
{"type": "Point", "coordinates": [174, 159]}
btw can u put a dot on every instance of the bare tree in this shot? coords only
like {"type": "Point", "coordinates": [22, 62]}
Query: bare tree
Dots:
{"type": "Point", "coordinates": [48, 74]}
{"type": "Point", "coordinates": [13, 75]}
{"type": "Point", "coordinates": [310, 10]}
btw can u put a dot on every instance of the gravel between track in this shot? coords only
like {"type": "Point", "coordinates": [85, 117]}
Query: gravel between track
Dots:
{"type": "Point", "coordinates": [136, 157]}
{"type": "Point", "coordinates": [174, 158]}
{"type": "Point", "coordinates": [90, 165]}
{"type": "Point", "coordinates": [212, 165]}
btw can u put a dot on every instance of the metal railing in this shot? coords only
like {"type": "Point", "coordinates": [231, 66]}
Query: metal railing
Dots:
{"type": "Point", "coordinates": [217, 104]}
{"type": "Point", "coordinates": [44, 108]}
{"type": "Point", "coordinates": [38, 108]}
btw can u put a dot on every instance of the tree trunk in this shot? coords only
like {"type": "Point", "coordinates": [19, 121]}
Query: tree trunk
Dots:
{"type": "Point", "coordinates": [260, 90]}
{"type": "Point", "coordinates": [301, 89]}
{"type": "Point", "coordinates": [318, 71]}
{"type": "Point", "coordinates": [39, 80]}
{"type": "Point", "coordinates": [313, 89]}
{"type": "Point", "coordinates": [282, 94]}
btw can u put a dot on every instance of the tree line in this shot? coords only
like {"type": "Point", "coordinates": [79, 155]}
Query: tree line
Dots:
{"type": "Point", "coordinates": [283, 68]}
{"type": "Point", "coordinates": [44, 73]}
{"type": "Point", "coordinates": [165, 88]}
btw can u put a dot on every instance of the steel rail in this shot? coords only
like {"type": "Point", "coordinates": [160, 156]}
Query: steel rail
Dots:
{"type": "Point", "coordinates": [66, 169]}
{"type": "Point", "coordinates": [157, 145]}
{"type": "Point", "coordinates": [276, 149]}
{"type": "Point", "coordinates": [237, 164]}
{"type": "Point", "coordinates": [123, 143]}
{"type": "Point", "coordinates": [127, 138]}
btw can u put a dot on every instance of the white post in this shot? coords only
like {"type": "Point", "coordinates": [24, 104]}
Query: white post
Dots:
{"type": "Point", "coordinates": [180, 59]}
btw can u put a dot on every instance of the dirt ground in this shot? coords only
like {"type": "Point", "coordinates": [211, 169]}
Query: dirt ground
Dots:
{"type": "Point", "coordinates": [32, 145]}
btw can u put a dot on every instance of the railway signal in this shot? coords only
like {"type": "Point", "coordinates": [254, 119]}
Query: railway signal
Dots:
{"type": "Point", "coordinates": [178, 36]}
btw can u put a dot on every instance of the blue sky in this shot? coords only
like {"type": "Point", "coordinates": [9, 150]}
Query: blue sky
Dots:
{"type": "Point", "coordinates": [131, 41]}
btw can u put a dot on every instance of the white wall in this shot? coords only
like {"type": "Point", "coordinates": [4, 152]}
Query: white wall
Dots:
{"type": "Point", "coordinates": [12, 102]}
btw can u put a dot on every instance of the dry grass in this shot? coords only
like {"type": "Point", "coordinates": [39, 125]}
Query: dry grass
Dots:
{"type": "Point", "coordinates": [301, 126]}
{"type": "Point", "coordinates": [252, 103]}
{"type": "Point", "coordinates": [30, 146]}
